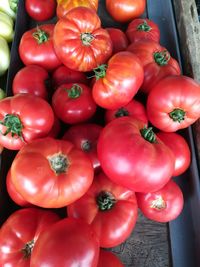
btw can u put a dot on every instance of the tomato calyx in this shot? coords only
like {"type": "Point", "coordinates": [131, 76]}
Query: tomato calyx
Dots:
{"type": "Point", "coordinates": [159, 203]}
{"type": "Point", "coordinates": [75, 91]}
{"type": "Point", "coordinates": [27, 249]}
{"type": "Point", "coordinates": [100, 71]}
{"type": "Point", "coordinates": [86, 146]}
{"type": "Point", "coordinates": [41, 36]}
{"type": "Point", "coordinates": [105, 201]}
{"type": "Point", "coordinates": [177, 115]}
{"type": "Point", "coordinates": [161, 58]}
{"type": "Point", "coordinates": [58, 163]}
{"type": "Point", "coordinates": [14, 5]}
{"type": "Point", "coordinates": [13, 125]}
{"type": "Point", "coordinates": [86, 38]}
{"type": "Point", "coordinates": [148, 134]}
{"type": "Point", "coordinates": [144, 27]}
{"type": "Point", "coordinates": [121, 112]}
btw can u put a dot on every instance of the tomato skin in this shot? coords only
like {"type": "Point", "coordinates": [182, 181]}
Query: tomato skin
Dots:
{"type": "Point", "coordinates": [73, 238]}
{"type": "Point", "coordinates": [85, 136]}
{"type": "Point", "coordinates": [73, 109]}
{"type": "Point", "coordinates": [180, 149]}
{"type": "Point", "coordinates": [123, 78]}
{"type": "Point", "coordinates": [80, 42]}
{"type": "Point", "coordinates": [43, 54]}
{"type": "Point", "coordinates": [170, 94]}
{"type": "Point", "coordinates": [153, 71]}
{"type": "Point", "coordinates": [23, 226]}
{"type": "Point", "coordinates": [108, 259]}
{"type": "Point", "coordinates": [161, 211]}
{"type": "Point", "coordinates": [127, 169]}
{"type": "Point", "coordinates": [34, 124]}
{"type": "Point", "coordinates": [56, 128]}
{"type": "Point", "coordinates": [119, 39]}
{"type": "Point", "coordinates": [133, 109]}
{"type": "Point", "coordinates": [40, 10]}
{"type": "Point", "coordinates": [112, 226]}
{"type": "Point", "coordinates": [125, 10]}
{"type": "Point", "coordinates": [31, 79]}
{"type": "Point", "coordinates": [51, 188]}
{"type": "Point", "coordinates": [143, 29]}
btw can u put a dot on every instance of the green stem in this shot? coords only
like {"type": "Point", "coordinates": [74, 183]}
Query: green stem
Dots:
{"type": "Point", "coordinates": [14, 5]}
{"type": "Point", "coordinates": [27, 249]}
{"type": "Point", "coordinates": [100, 71]}
{"type": "Point", "coordinates": [75, 91]}
{"type": "Point", "coordinates": [162, 58]}
{"type": "Point", "coordinates": [144, 27]}
{"type": "Point", "coordinates": [58, 163]}
{"type": "Point", "coordinates": [86, 146]}
{"type": "Point", "coordinates": [158, 203]}
{"type": "Point", "coordinates": [148, 134]}
{"type": "Point", "coordinates": [13, 125]}
{"type": "Point", "coordinates": [86, 38]}
{"type": "Point", "coordinates": [41, 36]}
{"type": "Point", "coordinates": [105, 201]}
{"type": "Point", "coordinates": [177, 115]}
{"type": "Point", "coordinates": [121, 112]}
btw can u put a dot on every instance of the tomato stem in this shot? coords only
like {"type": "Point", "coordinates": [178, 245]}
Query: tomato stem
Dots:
{"type": "Point", "coordinates": [177, 115]}
{"type": "Point", "coordinates": [27, 249]}
{"type": "Point", "coordinates": [158, 203]}
{"type": "Point", "coordinates": [100, 71]}
{"type": "Point", "coordinates": [41, 36]}
{"type": "Point", "coordinates": [58, 163]}
{"type": "Point", "coordinates": [86, 146]}
{"type": "Point", "coordinates": [148, 134]}
{"type": "Point", "coordinates": [105, 201]}
{"type": "Point", "coordinates": [13, 125]}
{"type": "Point", "coordinates": [121, 112]}
{"type": "Point", "coordinates": [86, 38]}
{"type": "Point", "coordinates": [144, 27]}
{"type": "Point", "coordinates": [162, 58]}
{"type": "Point", "coordinates": [75, 91]}
{"type": "Point", "coordinates": [14, 5]}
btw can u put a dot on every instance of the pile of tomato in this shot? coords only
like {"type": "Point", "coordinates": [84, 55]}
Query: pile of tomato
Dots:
{"type": "Point", "coordinates": [94, 118]}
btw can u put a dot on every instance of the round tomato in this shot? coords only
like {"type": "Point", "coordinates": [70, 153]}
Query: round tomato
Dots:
{"type": "Point", "coordinates": [180, 149]}
{"type": "Point", "coordinates": [125, 10]}
{"type": "Point", "coordinates": [19, 234]}
{"type": "Point", "coordinates": [118, 82]}
{"type": "Point", "coordinates": [85, 136]}
{"type": "Point", "coordinates": [108, 259]}
{"type": "Point", "coordinates": [51, 173]}
{"type": "Point", "coordinates": [70, 242]}
{"type": "Point", "coordinates": [132, 156]}
{"type": "Point", "coordinates": [156, 61]}
{"type": "Point", "coordinates": [36, 47]}
{"type": "Point", "coordinates": [73, 103]}
{"type": "Point", "coordinates": [40, 10]}
{"type": "Point", "coordinates": [164, 205]}
{"type": "Point", "coordinates": [109, 208]}
{"type": "Point", "coordinates": [24, 117]}
{"type": "Point", "coordinates": [31, 79]}
{"type": "Point", "coordinates": [80, 42]}
{"type": "Point", "coordinates": [119, 39]}
{"type": "Point", "coordinates": [174, 103]}
{"type": "Point", "coordinates": [133, 109]}
{"type": "Point", "coordinates": [143, 29]}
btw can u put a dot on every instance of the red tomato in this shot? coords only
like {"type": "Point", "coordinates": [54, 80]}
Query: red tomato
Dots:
{"type": "Point", "coordinates": [108, 259]}
{"type": "Point", "coordinates": [180, 149]}
{"type": "Point", "coordinates": [24, 117]}
{"type": "Point", "coordinates": [80, 42]}
{"type": "Point", "coordinates": [118, 82]}
{"type": "Point", "coordinates": [51, 173]}
{"type": "Point", "coordinates": [56, 128]}
{"type": "Point", "coordinates": [19, 234]}
{"type": "Point", "coordinates": [70, 242]}
{"type": "Point", "coordinates": [40, 10]}
{"type": "Point", "coordinates": [64, 75]}
{"type": "Point", "coordinates": [133, 109]}
{"type": "Point", "coordinates": [119, 39]}
{"type": "Point", "coordinates": [132, 156]}
{"type": "Point", "coordinates": [156, 61]}
{"type": "Point", "coordinates": [36, 47]}
{"type": "Point", "coordinates": [109, 208]}
{"type": "Point", "coordinates": [73, 103]}
{"type": "Point", "coordinates": [174, 103]}
{"type": "Point", "coordinates": [164, 205]}
{"type": "Point", "coordinates": [143, 29]}
{"type": "Point", "coordinates": [125, 10]}
{"type": "Point", "coordinates": [31, 79]}
{"type": "Point", "coordinates": [84, 137]}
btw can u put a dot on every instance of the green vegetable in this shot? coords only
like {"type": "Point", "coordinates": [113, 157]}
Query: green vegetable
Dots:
{"type": "Point", "coordinates": [2, 94]}
{"type": "Point", "coordinates": [7, 6]}
{"type": "Point", "coordinates": [4, 56]}
{"type": "Point", "coordinates": [6, 26]}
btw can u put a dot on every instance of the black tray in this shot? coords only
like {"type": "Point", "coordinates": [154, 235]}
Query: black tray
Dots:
{"type": "Point", "coordinates": [151, 244]}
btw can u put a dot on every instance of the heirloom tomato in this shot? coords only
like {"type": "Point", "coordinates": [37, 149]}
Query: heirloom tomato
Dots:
{"type": "Point", "coordinates": [119, 39]}
{"type": "Point", "coordinates": [40, 10]}
{"type": "Point", "coordinates": [108, 259]}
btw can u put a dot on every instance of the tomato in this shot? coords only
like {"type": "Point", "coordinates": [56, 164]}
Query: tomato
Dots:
{"type": "Point", "coordinates": [31, 79]}
{"type": "Point", "coordinates": [174, 103]}
{"type": "Point", "coordinates": [119, 81]}
{"type": "Point", "coordinates": [40, 10]}
{"type": "Point", "coordinates": [132, 156]}
{"type": "Point", "coordinates": [19, 234]}
{"type": "Point", "coordinates": [73, 103]}
{"type": "Point", "coordinates": [156, 61]}
{"type": "Point", "coordinates": [163, 205]}
{"type": "Point", "coordinates": [66, 5]}
{"type": "Point", "coordinates": [108, 259]}
{"type": "Point", "coordinates": [133, 109]}
{"type": "Point", "coordinates": [143, 29]}
{"type": "Point", "coordinates": [119, 39]}
{"type": "Point", "coordinates": [70, 242]}
{"type": "Point", "coordinates": [180, 149]}
{"type": "Point", "coordinates": [125, 10]}
{"type": "Point", "coordinates": [64, 75]}
{"type": "Point", "coordinates": [19, 121]}
{"type": "Point", "coordinates": [56, 128]}
{"type": "Point", "coordinates": [80, 42]}
{"type": "Point", "coordinates": [85, 136]}
{"type": "Point", "coordinates": [51, 173]}
{"type": "Point", "coordinates": [109, 208]}
{"type": "Point", "coordinates": [36, 47]}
